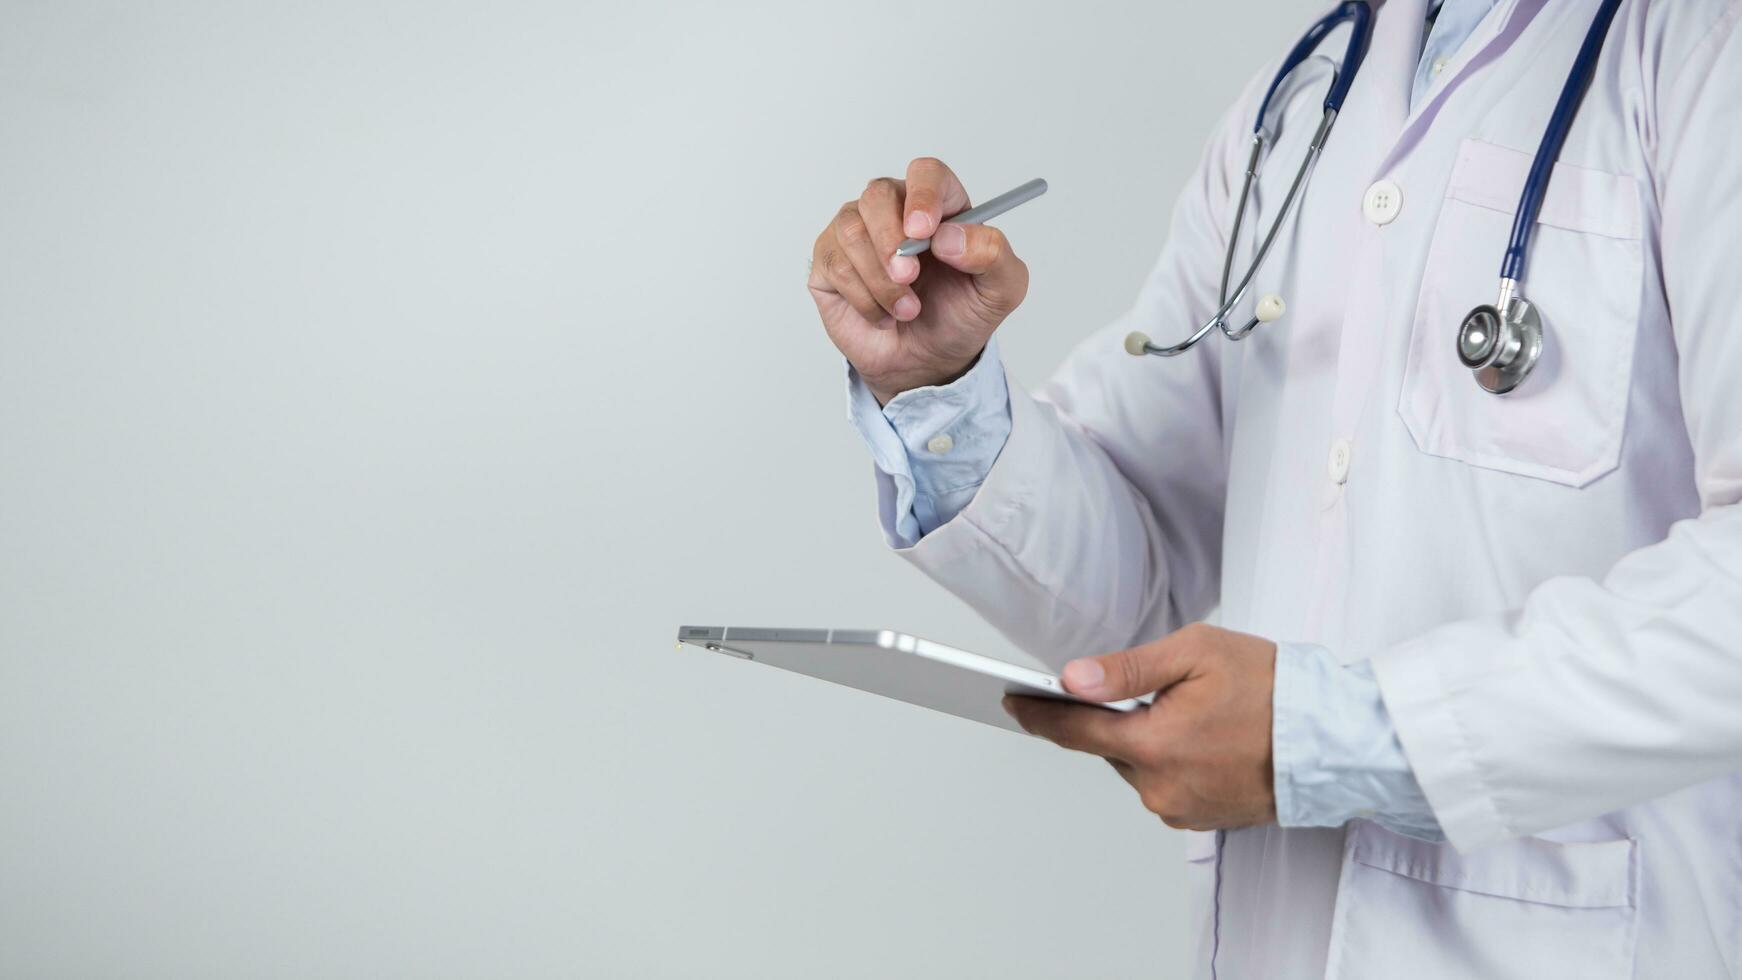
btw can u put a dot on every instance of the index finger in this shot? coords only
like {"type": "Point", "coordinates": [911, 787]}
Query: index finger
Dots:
{"type": "Point", "coordinates": [933, 194]}
{"type": "Point", "coordinates": [1080, 728]}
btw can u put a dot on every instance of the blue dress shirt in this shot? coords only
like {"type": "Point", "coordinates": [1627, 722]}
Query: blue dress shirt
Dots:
{"type": "Point", "coordinates": [937, 443]}
{"type": "Point", "coordinates": [1336, 755]}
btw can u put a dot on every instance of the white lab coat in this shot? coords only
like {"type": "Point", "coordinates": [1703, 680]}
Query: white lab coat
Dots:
{"type": "Point", "coordinates": [1549, 584]}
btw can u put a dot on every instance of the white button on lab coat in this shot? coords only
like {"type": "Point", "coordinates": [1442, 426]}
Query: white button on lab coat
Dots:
{"type": "Point", "coordinates": [1337, 466]}
{"type": "Point", "coordinates": [1548, 584]}
{"type": "Point", "coordinates": [1382, 202]}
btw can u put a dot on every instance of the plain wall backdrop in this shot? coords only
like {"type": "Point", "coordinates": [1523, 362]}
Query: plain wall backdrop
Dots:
{"type": "Point", "coordinates": [381, 385]}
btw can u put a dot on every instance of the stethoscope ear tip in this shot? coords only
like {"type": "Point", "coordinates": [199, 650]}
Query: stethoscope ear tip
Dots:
{"type": "Point", "coordinates": [1137, 343]}
{"type": "Point", "coordinates": [1270, 307]}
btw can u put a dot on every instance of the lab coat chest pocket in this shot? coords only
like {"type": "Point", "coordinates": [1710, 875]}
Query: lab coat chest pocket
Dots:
{"type": "Point", "coordinates": [1584, 274]}
{"type": "Point", "coordinates": [1527, 908]}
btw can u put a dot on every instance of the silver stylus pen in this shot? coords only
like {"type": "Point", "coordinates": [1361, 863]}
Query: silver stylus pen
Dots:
{"type": "Point", "coordinates": [980, 214]}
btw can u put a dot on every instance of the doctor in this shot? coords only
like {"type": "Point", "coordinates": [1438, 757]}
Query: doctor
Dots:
{"type": "Point", "coordinates": [1477, 711]}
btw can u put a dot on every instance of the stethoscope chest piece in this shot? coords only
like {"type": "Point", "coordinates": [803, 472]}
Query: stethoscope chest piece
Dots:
{"type": "Point", "coordinates": [1502, 348]}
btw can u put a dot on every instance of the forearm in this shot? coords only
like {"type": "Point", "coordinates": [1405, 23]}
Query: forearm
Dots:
{"type": "Point", "coordinates": [932, 446]}
{"type": "Point", "coordinates": [1056, 548]}
{"type": "Point", "coordinates": [1334, 750]}
{"type": "Point", "coordinates": [995, 493]}
{"type": "Point", "coordinates": [1594, 696]}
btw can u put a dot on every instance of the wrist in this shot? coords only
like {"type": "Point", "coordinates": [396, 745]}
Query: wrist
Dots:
{"type": "Point", "coordinates": [886, 388]}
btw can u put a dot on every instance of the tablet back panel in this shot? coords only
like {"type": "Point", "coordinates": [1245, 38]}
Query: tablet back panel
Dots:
{"type": "Point", "coordinates": [891, 664]}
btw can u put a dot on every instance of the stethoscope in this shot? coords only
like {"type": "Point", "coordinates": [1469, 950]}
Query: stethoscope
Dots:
{"type": "Point", "coordinates": [1502, 342]}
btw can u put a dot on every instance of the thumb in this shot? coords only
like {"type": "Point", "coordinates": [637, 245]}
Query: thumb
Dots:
{"type": "Point", "coordinates": [1129, 673]}
{"type": "Point", "coordinates": [983, 252]}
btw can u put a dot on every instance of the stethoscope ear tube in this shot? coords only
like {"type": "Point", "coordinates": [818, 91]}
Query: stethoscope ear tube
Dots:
{"type": "Point", "coordinates": [1360, 17]}
{"type": "Point", "coordinates": [1270, 307]}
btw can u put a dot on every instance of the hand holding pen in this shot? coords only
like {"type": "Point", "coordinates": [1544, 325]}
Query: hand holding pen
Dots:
{"type": "Point", "coordinates": [904, 320]}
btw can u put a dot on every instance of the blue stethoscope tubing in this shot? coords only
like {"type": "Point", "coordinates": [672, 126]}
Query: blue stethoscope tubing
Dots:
{"type": "Point", "coordinates": [1501, 343]}
{"type": "Point", "coordinates": [1553, 138]}
{"type": "Point", "coordinates": [1360, 17]}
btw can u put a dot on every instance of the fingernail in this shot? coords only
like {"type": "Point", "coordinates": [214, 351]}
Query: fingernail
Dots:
{"type": "Point", "coordinates": [918, 224]}
{"type": "Point", "coordinates": [902, 267]}
{"type": "Point", "coordinates": [906, 308]}
{"type": "Point", "coordinates": [1084, 675]}
{"type": "Point", "coordinates": [949, 241]}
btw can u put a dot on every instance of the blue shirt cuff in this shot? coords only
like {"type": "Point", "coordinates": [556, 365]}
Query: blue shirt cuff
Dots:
{"type": "Point", "coordinates": [934, 444]}
{"type": "Point", "coordinates": [1335, 752]}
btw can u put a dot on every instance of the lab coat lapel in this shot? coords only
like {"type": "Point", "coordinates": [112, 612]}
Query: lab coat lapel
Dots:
{"type": "Point", "coordinates": [1379, 101]}
{"type": "Point", "coordinates": [1492, 37]}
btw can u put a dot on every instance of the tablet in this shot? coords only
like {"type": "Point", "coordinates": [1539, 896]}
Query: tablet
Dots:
{"type": "Point", "coordinates": [894, 665]}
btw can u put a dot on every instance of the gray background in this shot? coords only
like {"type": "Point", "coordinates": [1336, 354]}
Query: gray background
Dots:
{"type": "Point", "coordinates": [380, 386]}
